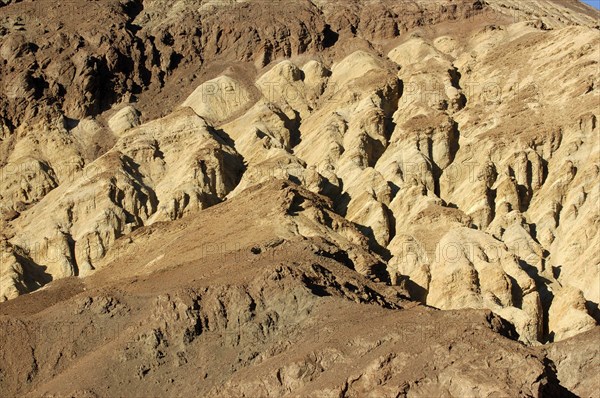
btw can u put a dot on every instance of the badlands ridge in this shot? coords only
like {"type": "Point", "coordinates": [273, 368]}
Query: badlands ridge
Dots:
{"type": "Point", "coordinates": [265, 198]}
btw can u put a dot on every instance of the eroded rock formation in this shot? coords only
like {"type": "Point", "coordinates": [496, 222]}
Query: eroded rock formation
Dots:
{"type": "Point", "coordinates": [361, 155]}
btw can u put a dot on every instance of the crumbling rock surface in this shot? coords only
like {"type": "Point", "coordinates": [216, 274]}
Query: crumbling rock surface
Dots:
{"type": "Point", "coordinates": [291, 184]}
{"type": "Point", "coordinates": [254, 311]}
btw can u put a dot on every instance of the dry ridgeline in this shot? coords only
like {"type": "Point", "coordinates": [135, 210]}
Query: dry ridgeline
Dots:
{"type": "Point", "coordinates": [303, 198]}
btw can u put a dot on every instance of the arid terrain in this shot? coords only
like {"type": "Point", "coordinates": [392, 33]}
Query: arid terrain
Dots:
{"type": "Point", "coordinates": [303, 198]}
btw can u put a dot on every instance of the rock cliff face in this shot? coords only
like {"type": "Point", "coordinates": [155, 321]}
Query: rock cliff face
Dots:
{"type": "Point", "coordinates": [330, 164]}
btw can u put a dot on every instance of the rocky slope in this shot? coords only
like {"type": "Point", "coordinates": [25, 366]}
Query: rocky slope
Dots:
{"type": "Point", "coordinates": [262, 311]}
{"type": "Point", "coordinates": [199, 161]}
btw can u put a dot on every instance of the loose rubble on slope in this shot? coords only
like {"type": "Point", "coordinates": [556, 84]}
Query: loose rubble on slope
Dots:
{"type": "Point", "coordinates": [365, 157]}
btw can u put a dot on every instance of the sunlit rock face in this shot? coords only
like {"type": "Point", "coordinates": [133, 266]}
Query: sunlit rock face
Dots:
{"type": "Point", "coordinates": [255, 169]}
